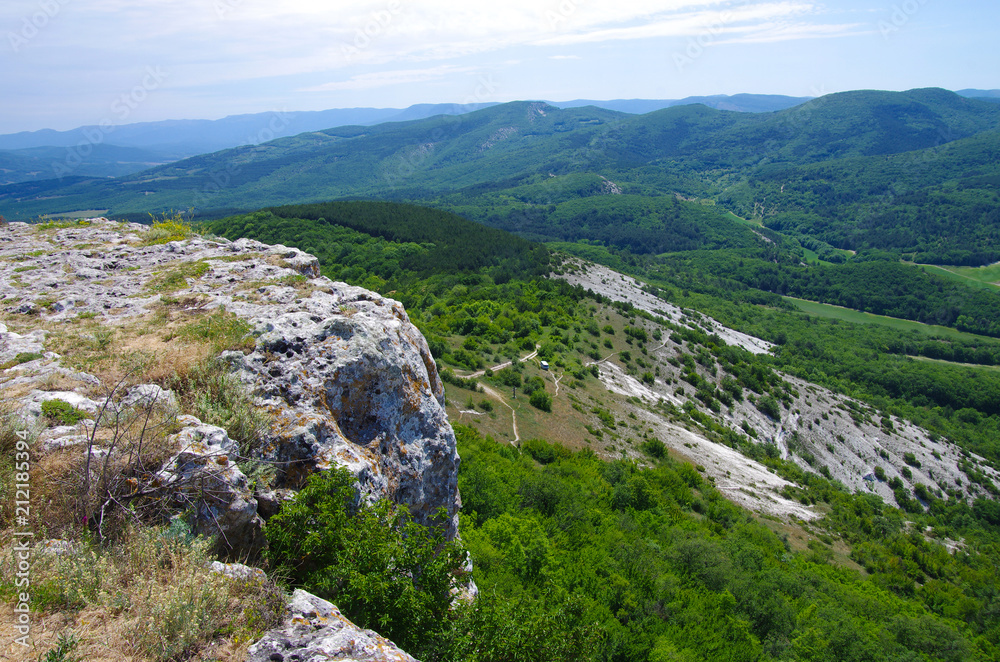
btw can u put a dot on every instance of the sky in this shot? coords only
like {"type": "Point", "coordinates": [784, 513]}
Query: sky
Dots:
{"type": "Point", "coordinates": [67, 63]}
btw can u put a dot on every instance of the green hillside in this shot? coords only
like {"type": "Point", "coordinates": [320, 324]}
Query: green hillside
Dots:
{"type": "Point", "coordinates": [937, 205]}
{"type": "Point", "coordinates": [582, 558]}
{"type": "Point", "coordinates": [692, 150]}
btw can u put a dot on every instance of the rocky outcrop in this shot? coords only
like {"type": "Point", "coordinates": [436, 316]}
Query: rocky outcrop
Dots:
{"type": "Point", "coordinates": [351, 382]}
{"type": "Point", "coordinates": [316, 630]}
{"type": "Point", "coordinates": [347, 379]}
{"type": "Point", "coordinates": [203, 476]}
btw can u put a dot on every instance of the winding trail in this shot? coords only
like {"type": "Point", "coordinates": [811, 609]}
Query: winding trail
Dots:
{"type": "Point", "coordinates": [488, 390]}
{"type": "Point", "coordinates": [500, 366]}
{"type": "Point", "coordinates": [513, 413]}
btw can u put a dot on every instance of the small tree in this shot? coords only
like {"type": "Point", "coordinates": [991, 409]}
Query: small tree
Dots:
{"type": "Point", "coordinates": [541, 399]}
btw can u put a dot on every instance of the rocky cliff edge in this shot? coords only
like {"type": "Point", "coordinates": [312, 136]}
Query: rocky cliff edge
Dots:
{"type": "Point", "coordinates": [343, 375]}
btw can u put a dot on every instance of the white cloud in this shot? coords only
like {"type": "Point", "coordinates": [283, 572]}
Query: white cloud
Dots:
{"type": "Point", "coordinates": [773, 32]}
{"type": "Point", "coordinates": [387, 78]}
{"type": "Point", "coordinates": [733, 17]}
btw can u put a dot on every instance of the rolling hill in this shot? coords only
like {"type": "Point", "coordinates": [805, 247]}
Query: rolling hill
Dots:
{"type": "Point", "coordinates": [515, 156]}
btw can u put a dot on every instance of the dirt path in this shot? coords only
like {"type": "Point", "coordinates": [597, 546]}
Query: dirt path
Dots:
{"type": "Point", "coordinates": [513, 413]}
{"type": "Point", "coordinates": [500, 366]}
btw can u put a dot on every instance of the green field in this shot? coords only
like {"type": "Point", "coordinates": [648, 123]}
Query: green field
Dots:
{"type": "Point", "coordinates": [83, 213]}
{"type": "Point", "coordinates": [994, 368]}
{"type": "Point", "coordinates": [988, 276]}
{"type": "Point", "coordinates": [848, 315]}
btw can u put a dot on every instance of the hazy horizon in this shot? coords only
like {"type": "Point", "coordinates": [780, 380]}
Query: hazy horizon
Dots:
{"type": "Point", "coordinates": [69, 63]}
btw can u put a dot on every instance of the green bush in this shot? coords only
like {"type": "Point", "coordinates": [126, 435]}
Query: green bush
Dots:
{"type": "Point", "coordinates": [540, 399]}
{"type": "Point", "coordinates": [769, 405]}
{"type": "Point", "coordinates": [655, 448]}
{"type": "Point", "coordinates": [63, 412]}
{"type": "Point", "coordinates": [384, 571]}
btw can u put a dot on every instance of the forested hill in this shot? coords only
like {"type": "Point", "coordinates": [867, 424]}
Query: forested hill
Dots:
{"type": "Point", "coordinates": [375, 243]}
{"type": "Point", "coordinates": [691, 150]}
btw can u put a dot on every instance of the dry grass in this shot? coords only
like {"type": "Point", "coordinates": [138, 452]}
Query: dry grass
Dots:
{"type": "Point", "coordinates": [151, 597]}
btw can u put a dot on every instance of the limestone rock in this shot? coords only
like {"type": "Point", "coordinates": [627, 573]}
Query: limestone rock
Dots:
{"type": "Point", "coordinates": [316, 630]}
{"type": "Point", "coordinates": [348, 379]}
{"type": "Point", "coordinates": [204, 475]}
{"type": "Point", "coordinates": [352, 382]}
{"type": "Point", "coordinates": [237, 571]}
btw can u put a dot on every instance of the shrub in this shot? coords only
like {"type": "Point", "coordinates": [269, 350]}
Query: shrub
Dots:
{"type": "Point", "coordinates": [62, 412]}
{"type": "Point", "coordinates": [911, 460]}
{"type": "Point", "coordinates": [380, 568]}
{"type": "Point", "coordinates": [155, 575]}
{"type": "Point", "coordinates": [769, 406]}
{"type": "Point", "coordinates": [533, 384]}
{"type": "Point", "coordinates": [655, 448]}
{"type": "Point", "coordinates": [543, 452]}
{"type": "Point", "coordinates": [167, 230]}
{"type": "Point", "coordinates": [540, 399]}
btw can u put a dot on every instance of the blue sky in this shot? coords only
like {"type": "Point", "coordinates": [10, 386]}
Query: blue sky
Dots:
{"type": "Point", "coordinates": [65, 63]}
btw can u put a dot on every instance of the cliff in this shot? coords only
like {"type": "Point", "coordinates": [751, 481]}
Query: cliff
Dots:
{"type": "Point", "coordinates": [125, 350]}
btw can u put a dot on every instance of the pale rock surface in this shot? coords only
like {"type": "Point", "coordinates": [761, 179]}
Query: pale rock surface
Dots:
{"type": "Point", "coordinates": [821, 431]}
{"type": "Point", "coordinates": [348, 379]}
{"type": "Point", "coordinates": [204, 475]}
{"type": "Point", "coordinates": [316, 630]}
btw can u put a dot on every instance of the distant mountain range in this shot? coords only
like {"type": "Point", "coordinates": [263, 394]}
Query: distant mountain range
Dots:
{"type": "Point", "coordinates": [115, 151]}
{"type": "Point", "coordinates": [852, 170]}
{"type": "Point", "coordinates": [84, 151]}
{"type": "Point", "coordinates": [741, 103]}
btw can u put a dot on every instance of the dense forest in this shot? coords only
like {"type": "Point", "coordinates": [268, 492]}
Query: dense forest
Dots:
{"type": "Point", "coordinates": [581, 558]}
{"type": "Point", "coordinates": [577, 558]}
{"type": "Point", "coordinates": [880, 286]}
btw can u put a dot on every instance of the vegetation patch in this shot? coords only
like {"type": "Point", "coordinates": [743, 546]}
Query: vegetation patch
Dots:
{"type": "Point", "coordinates": [176, 277]}
{"type": "Point", "coordinates": [22, 357]}
{"type": "Point", "coordinates": [61, 412]}
{"type": "Point", "coordinates": [167, 230]}
{"type": "Point", "coordinates": [155, 588]}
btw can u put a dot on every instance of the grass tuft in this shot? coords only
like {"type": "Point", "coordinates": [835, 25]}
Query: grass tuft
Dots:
{"type": "Point", "coordinates": [156, 586]}
{"type": "Point", "coordinates": [166, 230]}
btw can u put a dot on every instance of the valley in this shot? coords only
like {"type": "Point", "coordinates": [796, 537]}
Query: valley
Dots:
{"type": "Point", "coordinates": [722, 384]}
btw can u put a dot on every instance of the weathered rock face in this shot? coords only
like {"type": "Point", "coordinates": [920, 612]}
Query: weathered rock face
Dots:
{"type": "Point", "coordinates": [204, 476]}
{"type": "Point", "coordinates": [819, 430]}
{"type": "Point", "coordinates": [348, 379]}
{"type": "Point", "coordinates": [316, 630]}
{"type": "Point", "coordinates": [351, 382]}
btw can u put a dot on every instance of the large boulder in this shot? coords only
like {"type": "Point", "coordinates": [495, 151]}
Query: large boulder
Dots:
{"type": "Point", "coordinates": [352, 382]}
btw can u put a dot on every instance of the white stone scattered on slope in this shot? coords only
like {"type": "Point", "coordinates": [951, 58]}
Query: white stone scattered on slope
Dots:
{"type": "Point", "coordinates": [618, 287]}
